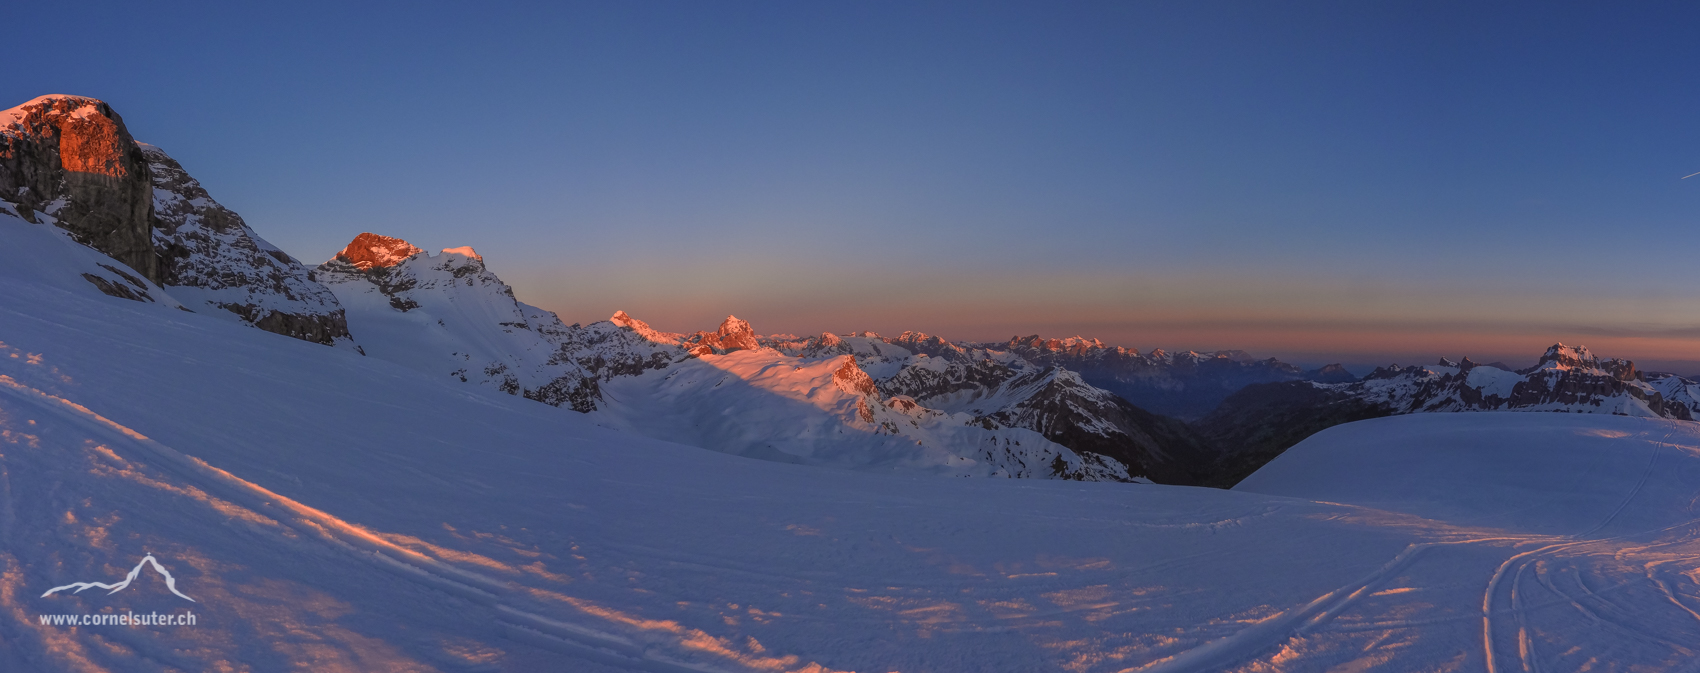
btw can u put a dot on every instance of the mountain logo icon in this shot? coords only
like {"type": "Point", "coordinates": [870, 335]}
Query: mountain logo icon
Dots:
{"type": "Point", "coordinates": [170, 582]}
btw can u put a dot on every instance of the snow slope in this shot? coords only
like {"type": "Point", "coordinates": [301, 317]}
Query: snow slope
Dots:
{"type": "Point", "coordinates": [332, 512]}
{"type": "Point", "coordinates": [1600, 511]}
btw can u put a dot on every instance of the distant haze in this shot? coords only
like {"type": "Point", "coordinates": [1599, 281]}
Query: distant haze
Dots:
{"type": "Point", "coordinates": [1353, 182]}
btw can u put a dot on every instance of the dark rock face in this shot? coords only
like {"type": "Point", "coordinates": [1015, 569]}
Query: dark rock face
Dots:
{"type": "Point", "coordinates": [118, 290]}
{"type": "Point", "coordinates": [1259, 422]}
{"type": "Point", "coordinates": [72, 158]}
{"type": "Point", "coordinates": [577, 393]}
{"type": "Point", "coordinates": [210, 252]}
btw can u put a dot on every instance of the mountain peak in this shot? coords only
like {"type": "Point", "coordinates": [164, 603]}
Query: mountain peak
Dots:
{"type": "Point", "coordinates": [71, 158]}
{"type": "Point", "coordinates": [641, 328]}
{"type": "Point", "coordinates": [733, 335]}
{"type": "Point", "coordinates": [55, 104]}
{"type": "Point", "coordinates": [370, 250]}
{"type": "Point", "coordinates": [465, 251]}
{"type": "Point", "coordinates": [736, 335]}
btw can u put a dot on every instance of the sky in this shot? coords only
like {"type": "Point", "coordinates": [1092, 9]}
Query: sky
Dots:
{"type": "Point", "coordinates": [1342, 181]}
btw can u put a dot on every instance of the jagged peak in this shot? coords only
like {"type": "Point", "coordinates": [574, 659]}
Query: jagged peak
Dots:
{"type": "Point", "coordinates": [736, 334]}
{"type": "Point", "coordinates": [733, 325]}
{"type": "Point", "coordinates": [1446, 362]}
{"type": "Point", "coordinates": [370, 250]}
{"type": "Point", "coordinates": [1559, 352]}
{"type": "Point", "coordinates": [851, 379]}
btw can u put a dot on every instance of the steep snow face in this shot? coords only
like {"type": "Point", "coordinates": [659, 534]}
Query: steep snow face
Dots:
{"type": "Point", "coordinates": [1565, 379]}
{"type": "Point", "coordinates": [212, 260]}
{"type": "Point", "coordinates": [448, 316]}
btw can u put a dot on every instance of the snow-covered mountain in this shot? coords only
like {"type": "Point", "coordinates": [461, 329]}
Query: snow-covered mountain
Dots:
{"type": "Point", "coordinates": [1567, 378]}
{"type": "Point", "coordinates": [1184, 385]}
{"type": "Point", "coordinates": [69, 161]}
{"type": "Point", "coordinates": [331, 512]}
{"type": "Point", "coordinates": [1257, 423]}
{"type": "Point", "coordinates": [828, 400]}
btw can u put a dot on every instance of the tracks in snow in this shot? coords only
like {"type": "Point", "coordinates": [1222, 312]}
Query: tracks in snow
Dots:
{"type": "Point", "coordinates": [519, 621]}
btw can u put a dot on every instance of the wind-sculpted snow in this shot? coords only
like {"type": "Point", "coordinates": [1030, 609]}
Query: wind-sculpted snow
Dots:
{"type": "Point", "coordinates": [331, 512]}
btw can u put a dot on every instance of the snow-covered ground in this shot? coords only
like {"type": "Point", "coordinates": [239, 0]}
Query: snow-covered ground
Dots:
{"type": "Point", "coordinates": [332, 512]}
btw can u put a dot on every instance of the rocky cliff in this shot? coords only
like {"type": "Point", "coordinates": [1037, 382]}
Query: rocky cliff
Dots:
{"type": "Point", "coordinates": [71, 162]}
{"type": "Point", "coordinates": [72, 158]}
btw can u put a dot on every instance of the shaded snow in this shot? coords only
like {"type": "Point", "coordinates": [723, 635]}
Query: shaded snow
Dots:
{"type": "Point", "coordinates": [332, 512]}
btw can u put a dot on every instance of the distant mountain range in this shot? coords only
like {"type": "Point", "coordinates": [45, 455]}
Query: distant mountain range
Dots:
{"type": "Point", "coordinates": [1028, 407]}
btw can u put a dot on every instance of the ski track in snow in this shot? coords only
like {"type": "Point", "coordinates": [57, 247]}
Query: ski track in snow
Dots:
{"type": "Point", "coordinates": [410, 518]}
{"type": "Point", "coordinates": [520, 624]}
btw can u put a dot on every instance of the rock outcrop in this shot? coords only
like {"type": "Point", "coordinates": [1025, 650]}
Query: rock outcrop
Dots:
{"type": "Point", "coordinates": [212, 261]}
{"type": "Point", "coordinates": [733, 335]}
{"type": "Point", "coordinates": [72, 158]}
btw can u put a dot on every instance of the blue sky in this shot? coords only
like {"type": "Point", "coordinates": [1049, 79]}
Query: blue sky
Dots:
{"type": "Point", "coordinates": [1325, 181]}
